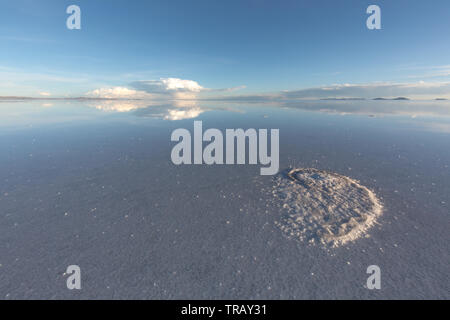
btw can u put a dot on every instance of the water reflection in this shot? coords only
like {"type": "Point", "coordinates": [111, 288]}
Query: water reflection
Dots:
{"type": "Point", "coordinates": [188, 109]}
{"type": "Point", "coordinates": [411, 109]}
{"type": "Point", "coordinates": [431, 115]}
{"type": "Point", "coordinates": [169, 112]}
{"type": "Point", "coordinates": [117, 106]}
{"type": "Point", "coordinates": [428, 115]}
{"type": "Point", "coordinates": [175, 110]}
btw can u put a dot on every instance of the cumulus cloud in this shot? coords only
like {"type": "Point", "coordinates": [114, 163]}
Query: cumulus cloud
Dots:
{"type": "Point", "coordinates": [177, 88]}
{"type": "Point", "coordinates": [172, 87]}
{"type": "Point", "coordinates": [164, 88]}
{"type": "Point", "coordinates": [181, 85]}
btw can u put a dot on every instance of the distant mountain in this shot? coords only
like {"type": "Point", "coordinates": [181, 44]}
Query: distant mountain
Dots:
{"type": "Point", "coordinates": [441, 99]}
{"type": "Point", "coordinates": [399, 98]}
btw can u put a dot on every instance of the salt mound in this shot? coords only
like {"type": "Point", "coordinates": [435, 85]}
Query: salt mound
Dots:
{"type": "Point", "coordinates": [324, 207]}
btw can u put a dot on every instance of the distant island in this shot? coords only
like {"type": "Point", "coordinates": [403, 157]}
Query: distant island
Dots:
{"type": "Point", "coordinates": [441, 99]}
{"type": "Point", "coordinates": [399, 98]}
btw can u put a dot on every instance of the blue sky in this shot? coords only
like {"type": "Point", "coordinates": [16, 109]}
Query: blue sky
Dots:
{"type": "Point", "coordinates": [257, 47]}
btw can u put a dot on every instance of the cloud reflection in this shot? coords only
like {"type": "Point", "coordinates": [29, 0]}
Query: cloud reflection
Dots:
{"type": "Point", "coordinates": [175, 110]}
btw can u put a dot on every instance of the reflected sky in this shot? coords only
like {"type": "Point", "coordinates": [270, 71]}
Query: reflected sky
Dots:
{"type": "Point", "coordinates": [430, 115]}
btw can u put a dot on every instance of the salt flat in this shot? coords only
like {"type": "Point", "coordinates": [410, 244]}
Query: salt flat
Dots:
{"type": "Point", "coordinates": [97, 189]}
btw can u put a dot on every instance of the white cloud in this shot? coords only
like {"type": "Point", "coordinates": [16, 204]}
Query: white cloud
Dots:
{"type": "Point", "coordinates": [177, 88]}
{"type": "Point", "coordinates": [45, 94]}
{"type": "Point", "coordinates": [168, 86]}
{"type": "Point", "coordinates": [162, 89]}
{"type": "Point", "coordinates": [180, 84]}
{"type": "Point", "coordinates": [165, 88]}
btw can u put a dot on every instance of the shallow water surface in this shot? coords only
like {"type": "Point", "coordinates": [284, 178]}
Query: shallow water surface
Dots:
{"type": "Point", "coordinates": [91, 183]}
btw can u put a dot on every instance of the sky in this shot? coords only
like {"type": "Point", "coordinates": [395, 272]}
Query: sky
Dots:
{"type": "Point", "coordinates": [229, 49]}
